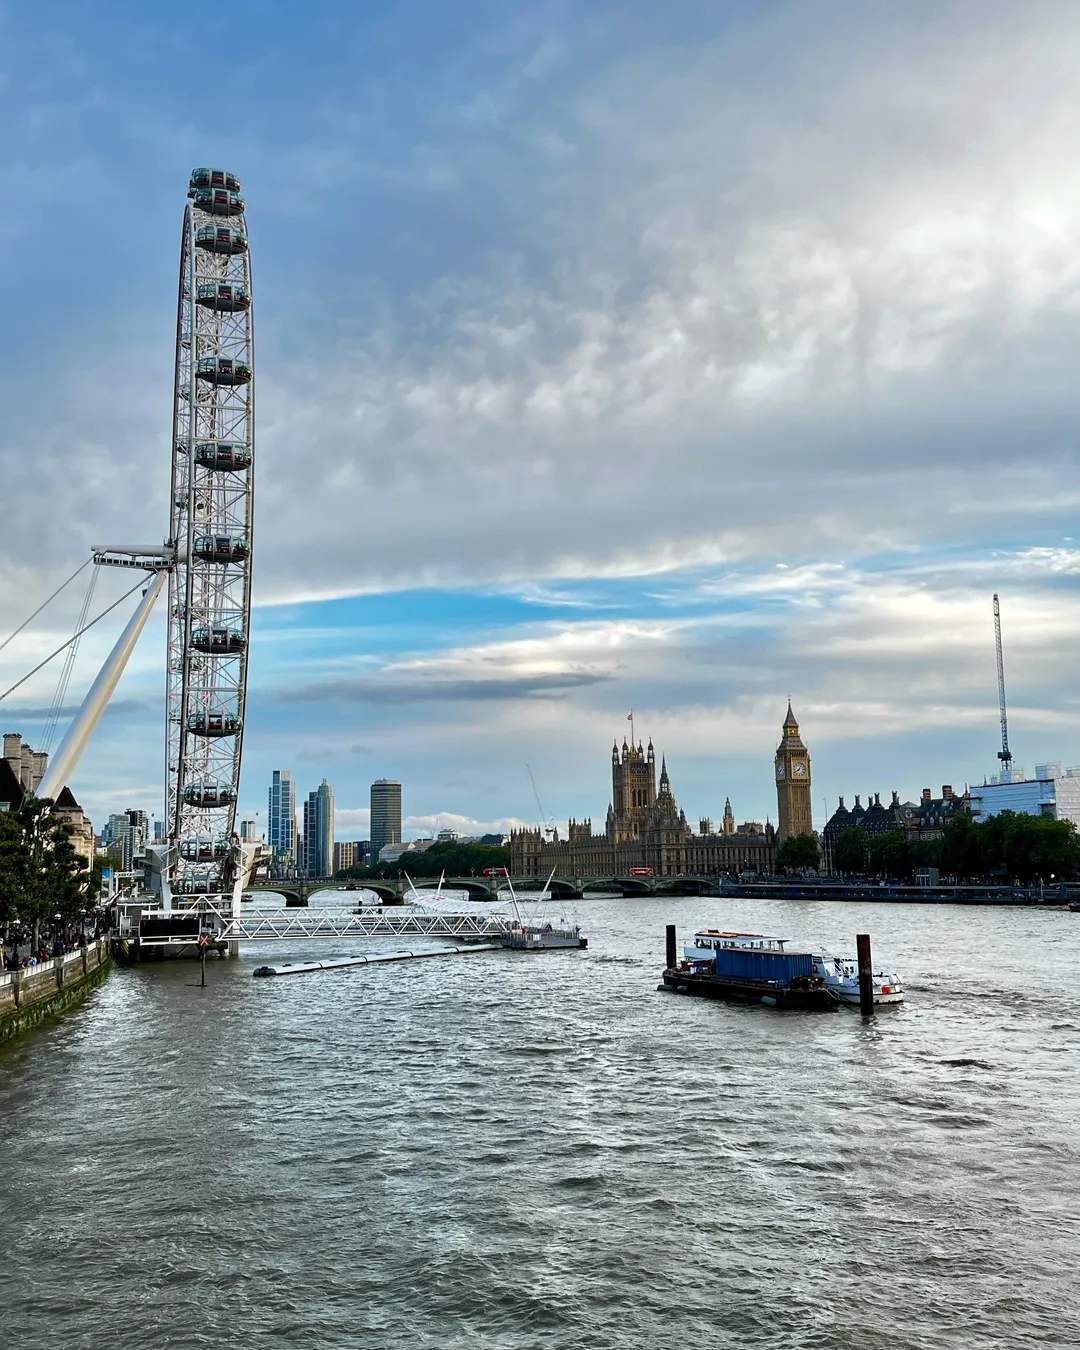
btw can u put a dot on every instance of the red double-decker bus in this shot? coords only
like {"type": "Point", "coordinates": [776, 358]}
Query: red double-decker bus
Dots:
{"type": "Point", "coordinates": [640, 871]}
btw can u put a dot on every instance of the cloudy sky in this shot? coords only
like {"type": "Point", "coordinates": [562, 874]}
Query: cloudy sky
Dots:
{"type": "Point", "coordinates": [612, 355]}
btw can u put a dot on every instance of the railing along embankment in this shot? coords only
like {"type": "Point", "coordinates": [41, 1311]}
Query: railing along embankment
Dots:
{"type": "Point", "coordinates": [29, 995]}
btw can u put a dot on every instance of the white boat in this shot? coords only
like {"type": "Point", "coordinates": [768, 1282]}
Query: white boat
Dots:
{"type": "Point", "coordinates": [841, 974]}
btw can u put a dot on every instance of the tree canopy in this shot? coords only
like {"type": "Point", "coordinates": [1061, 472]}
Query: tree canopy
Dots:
{"type": "Point", "coordinates": [451, 857]}
{"type": "Point", "coordinates": [1005, 847]}
{"type": "Point", "coordinates": [800, 853]}
{"type": "Point", "coordinates": [851, 852]}
{"type": "Point", "coordinates": [41, 875]}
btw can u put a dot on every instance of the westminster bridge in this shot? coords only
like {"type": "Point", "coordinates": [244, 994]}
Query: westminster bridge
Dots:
{"type": "Point", "coordinates": [393, 891]}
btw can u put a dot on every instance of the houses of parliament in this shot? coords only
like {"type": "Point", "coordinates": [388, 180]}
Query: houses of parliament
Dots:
{"type": "Point", "coordinates": [646, 829]}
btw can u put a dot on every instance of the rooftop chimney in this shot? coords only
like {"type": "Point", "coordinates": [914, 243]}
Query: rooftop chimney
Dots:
{"type": "Point", "coordinates": [947, 792]}
{"type": "Point", "coordinates": [927, 795]}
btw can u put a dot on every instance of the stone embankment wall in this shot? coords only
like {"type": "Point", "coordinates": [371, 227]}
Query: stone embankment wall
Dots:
{"type": "Point", "coordinates": [30, 995]}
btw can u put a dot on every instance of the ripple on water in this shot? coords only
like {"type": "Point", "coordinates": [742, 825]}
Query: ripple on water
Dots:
{"type": "Point", "coordinates": [520, 1154]}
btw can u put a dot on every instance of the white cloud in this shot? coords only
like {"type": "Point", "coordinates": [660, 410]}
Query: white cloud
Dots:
{"type": "Point", "coordinates": [794, 304]}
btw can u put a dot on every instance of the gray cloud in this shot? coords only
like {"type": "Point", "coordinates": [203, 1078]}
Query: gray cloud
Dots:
{"type": "Point", "coordinates": [393, 689]}
{"type": "Point", "coordinates": [804, 289]}
{"type": "Point", "coordinates": [787, 290]}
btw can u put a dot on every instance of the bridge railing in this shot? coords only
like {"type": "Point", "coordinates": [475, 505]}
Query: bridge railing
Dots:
{"type": "Point", "coordinates": [298, 925]}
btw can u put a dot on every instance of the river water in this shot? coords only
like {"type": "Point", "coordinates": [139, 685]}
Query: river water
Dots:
{"type": "Point", "coordinates": [516, 1151]}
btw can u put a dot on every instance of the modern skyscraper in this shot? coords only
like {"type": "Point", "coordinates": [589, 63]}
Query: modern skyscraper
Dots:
{"type": "Point", "coordinates": [385, 815]}
{"type": "Point", "coordinates": [281, 823]}
{"type": "Point", "coordinates": [792, 766]}
{"type": "Point", "coordinates": [319, 831]}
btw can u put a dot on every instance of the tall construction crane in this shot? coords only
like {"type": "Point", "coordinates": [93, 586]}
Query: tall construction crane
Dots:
{"type": "Point", "coordinates": [547, 823]}
{"type": "Point", "coordinates": [1004, 754]}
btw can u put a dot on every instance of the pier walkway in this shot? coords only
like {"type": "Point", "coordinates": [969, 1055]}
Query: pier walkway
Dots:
{"type": "Point", "coordinates": [214, 918]}
{"type": "Point", "coordinates": [294, 925]}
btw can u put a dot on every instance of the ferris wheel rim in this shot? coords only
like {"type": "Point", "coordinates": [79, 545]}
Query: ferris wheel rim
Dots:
{"type": "Point", "coordinates": [211, 528]}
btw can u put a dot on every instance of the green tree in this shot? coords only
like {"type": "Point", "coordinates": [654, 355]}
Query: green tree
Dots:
{"type": "Point", "coordinates": [800, 853]}
{"type": "Point", "coordinates": [41, 875]}
{"type": "Point", "coordinates": [1037, 849]}
{"type": "Point", "coordinates": [851, 852]}
{"type": "Point", "coordinates": [453, 858]}
{"type": "Point", "coordinates": [962, 849]}
{"type": "Point", "coordinates": [891, 855]}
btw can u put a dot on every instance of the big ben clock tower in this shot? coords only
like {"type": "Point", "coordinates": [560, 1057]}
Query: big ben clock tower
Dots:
{"type": "Point", "coordinates": [793, 782]}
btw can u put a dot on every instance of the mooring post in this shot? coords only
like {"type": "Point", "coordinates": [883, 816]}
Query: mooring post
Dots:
{"type": "Point", "coordinates": [672, 948]}
{"type": "Point", "coordinates": [866, 975]}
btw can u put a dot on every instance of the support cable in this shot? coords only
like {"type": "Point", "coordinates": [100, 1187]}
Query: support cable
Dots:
{"type": "Point", "coordinates": [74, 638]}
{"type": "Point", "coordinates": [44, 603]}
{"type": "Point", "coordinates": [68, 666]}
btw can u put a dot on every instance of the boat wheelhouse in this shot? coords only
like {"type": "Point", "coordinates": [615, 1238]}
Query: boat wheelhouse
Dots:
{"type": "Point", "coordinates": [841, 974]}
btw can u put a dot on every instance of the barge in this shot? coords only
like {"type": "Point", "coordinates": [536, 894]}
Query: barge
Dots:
{"type": "Point", "coordinates": [527, 937]}
{"type": "Point", "coordinates": [747, 968]}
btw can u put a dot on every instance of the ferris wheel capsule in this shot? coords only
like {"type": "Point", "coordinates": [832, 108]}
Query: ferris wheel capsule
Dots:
{"type": "Point", "coordinates": [209, 796]}
{"type": "Point", "coordinates": [220, 548]}
{"type": "Point", "coordinates": [223, 370]}
{"type": "Point", "coordinates": [212, 178]}
{"type": "Point", "coordinates": [196, 883]}
{"type": "Point", "coordinates": [219, 639]}
{"type": "Point", "coordinates": [228, 239]}
{"type": "Point", "coordinates": [224, 297]}
{"type": "Point", "coordinates": [214, 722]}
{"type": "Point", "coordinates": [223, 456]}
{"type": "Point", "coordinates": [217, 202]}
{"type": "Point", "coordinates": [204, 849]}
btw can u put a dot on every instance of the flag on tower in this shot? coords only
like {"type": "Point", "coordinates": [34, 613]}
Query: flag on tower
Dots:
{"type": "Point", "coordinates": [630, 716]}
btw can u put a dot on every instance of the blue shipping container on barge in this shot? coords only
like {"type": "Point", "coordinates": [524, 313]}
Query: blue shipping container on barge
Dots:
{"type": "Point", "coordinates": [746, 963]}
{"type": "Point", "coordinates": [747, 968]}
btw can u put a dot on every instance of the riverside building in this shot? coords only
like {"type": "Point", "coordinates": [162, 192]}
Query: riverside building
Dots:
{"type": "Point", "coordinates": [281, 824]}
{"type": "Point", "coordinates": [1053, 792]}
{"type": "Point", "coordinates": [645, 829]}
{"type": "Point", "coordinates": [21, 772]}
{"type": "Point", "coordinates": [919, 820]}
{"type": "Point", "coordinates": [385, 815]}
{"type": "Point", "coordinates": [319, 831]}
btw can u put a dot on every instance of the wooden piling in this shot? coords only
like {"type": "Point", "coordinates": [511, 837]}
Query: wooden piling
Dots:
{"type": "Point", "coordinates": [866, 975]}
{"type": "Point", "coordinates": [672, 948]}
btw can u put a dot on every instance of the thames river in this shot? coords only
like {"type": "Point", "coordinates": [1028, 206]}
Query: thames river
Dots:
{"type": "Point", "coordinates": [515, 1151]}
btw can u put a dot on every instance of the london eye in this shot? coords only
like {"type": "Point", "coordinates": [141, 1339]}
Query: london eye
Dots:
{"type": "Point", "coordinates": [211, 500]}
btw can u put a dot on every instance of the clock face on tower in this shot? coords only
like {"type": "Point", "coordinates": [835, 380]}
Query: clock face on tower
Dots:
{"type": "Point", "coordinates": [779, 771]}
{"type": "Point", "coordinates": [798, 770]}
